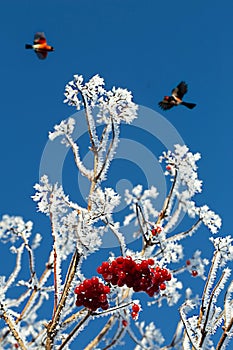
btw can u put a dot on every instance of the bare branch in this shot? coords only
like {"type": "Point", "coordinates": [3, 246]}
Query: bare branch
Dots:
{"type": "Point", "coordinates": [12, 327]}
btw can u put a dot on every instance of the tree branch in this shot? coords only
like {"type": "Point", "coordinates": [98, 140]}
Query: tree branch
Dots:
{"type": "Point", "coordinates": [12, 327]}
{"type": "Point", "coordinates": [51, 328]}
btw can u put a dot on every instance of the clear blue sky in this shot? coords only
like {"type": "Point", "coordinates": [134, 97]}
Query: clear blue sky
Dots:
{"type": "Point", "coordinates": [145, 46]}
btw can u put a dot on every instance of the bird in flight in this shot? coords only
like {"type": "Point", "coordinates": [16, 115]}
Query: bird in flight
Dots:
{"type": "Point", "coordinates": [176, 98]}
{"type": "Point", "coordinates": [40, 46]}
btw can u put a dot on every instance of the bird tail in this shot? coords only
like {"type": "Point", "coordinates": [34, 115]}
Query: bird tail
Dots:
{"type": "Point", "coordinates": [188, 105]}
{"type": "Point", "coordinates": [27, 46]}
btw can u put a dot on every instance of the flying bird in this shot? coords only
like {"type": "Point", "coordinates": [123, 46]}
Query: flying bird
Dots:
{"type": "Point", "coordinates": [40, 46]}
{"type": "Point", "coordinates": [176, 98]}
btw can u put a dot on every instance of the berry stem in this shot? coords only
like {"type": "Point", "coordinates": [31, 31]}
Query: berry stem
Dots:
{"type": "Point", "coordinates": [112, 309]}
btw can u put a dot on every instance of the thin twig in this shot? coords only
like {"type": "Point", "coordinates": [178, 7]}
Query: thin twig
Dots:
{"type": "Point", "coordinates": [101, 334]}
{"type": "Point", "coordinates": [203, 330]}
{"type": "Point", "coordinates": [115, 308]}
{"type": "Point", "coordinates": [31, 259]}
{"type": "Point", "coordinates": [73, 317]}
{"type": "Point", "coordinates": [51, 328]}
{"type": "Point", "coordinates": [183, 234]}
{"type": "Point", "coordinates": [108, 152]}
{"type": "Point", "coordinates": [183, 321]}
{"type": "Point", "coordinates": [86, 107]}
{"type": "Point", "coordinates": [16, 271]}
{"type": "Point", "coordinates": [134, 338]}
{"type": "Point", "coordinates": [163, 212]}
{"type": "Point", "coordinates": [202, 308]}
{"type": "Point", "coordinates": [111, 227]}
{"type": "Point", "coordinates": [116, 337]}
{"type": "Point", "coordinates": [12, 327]}
{"type": "Point", "coordinates": [77, 160]}
{"type": "Point", "coordinates": [54, 261]}
{"type": "Point", "coordinates": [224, 335]}
{"type": "Point", "coordinates": [29, 302]}
{"type": "Point", "coordinates": [72, 333]}
{"type": "Point", "coordinates": [175, 339]}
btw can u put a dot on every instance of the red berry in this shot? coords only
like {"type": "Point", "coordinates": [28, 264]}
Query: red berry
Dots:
{"type": "Point", "coordinates": [105, 306]}
{"type": "Point", "coordinates": [94, 281]}
{"type": "Point", "coordinates": [106, 290]}
{"type": "Point", "coordinates": [120, 260]}
{"type": "Point", "coordinates": [135, 307]}
{"type": "Point", "coordinates": [124, 323]}
{"type": "Point", "coordinates": [134, 315]}
{"type": "Point", "coordinates": [136, 288]}
{"type": "Point", "coordinates": [156, 276]}
{"type": "Point", "coordinates": [153, 232]}
{"type": "Point", "coordinates": [102, 298]}
{"type": "Point", "coordinates": [120, 283]}
{"type": "Point", "coordinates": [188, 262]}
{"type": "Point", "coordinates": [121, 274]}
{"type": "Point", "coordinates": [144, 265]}
{"type": "Point", "coordinates": [107, 277]}
{"type": "Point", "coordinates": [138, 267]}
{"type": "Point", "coordinates": [169, 277]}
{"type": "Point", "coordinates": [105, 265]}
{"type": "Point", "coordinates": [162, 286]}
{"type": "Point", "coordinates": [82, 288]}
{"type": "Point", "coordinates": [150, 292]}
{"type": "Point", "coordinates": [79, 303]}
{"type": "Point", "coordinates": [194, 273]}
{"type": "Point", "coordinates": [100, 270]}
{"type": "Point", "coordinates": [114, 264]}
{"type": "Point", "coordinates": [87, 284]}
{"type": "Point", "coordinates": [77, 290]}
{"type": "Point", "coordinates": [151, 261]}
{"type": "Point", "coordinates": [168, 167]}
{"type": "Point", "coordinates": [164, 272]}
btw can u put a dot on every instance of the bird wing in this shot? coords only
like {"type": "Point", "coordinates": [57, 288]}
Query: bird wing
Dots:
{"type": "Point", "coordinates": [180, 90]}
{"type": "Point", "coordinates": [39, 38]}
{"type": "Point", "coordinates": [41, 54]}
{"type": "Point", "coordinates": [165, 105]}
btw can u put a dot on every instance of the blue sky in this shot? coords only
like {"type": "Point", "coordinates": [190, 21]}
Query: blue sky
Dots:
{"type": "Point", "coordinates": [145, 46]}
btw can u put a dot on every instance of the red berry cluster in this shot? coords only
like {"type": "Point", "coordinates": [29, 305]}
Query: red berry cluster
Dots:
{"type": "Point", "coordinates": [156, 230]}
{"type": "Point", "coordinates": [135, 311]}
{"type": "Point", "coordinates": [139, 276]}
{"type": "Point", "coordinates": [92, 294]}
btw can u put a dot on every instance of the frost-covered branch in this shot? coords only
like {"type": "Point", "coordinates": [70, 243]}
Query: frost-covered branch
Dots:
{"type": "Point", "coordinates": [12, 326]}
{"type": "Point", "coordinates": [151, 268]}
{"type": "Point", "coordinates": [51, 332]}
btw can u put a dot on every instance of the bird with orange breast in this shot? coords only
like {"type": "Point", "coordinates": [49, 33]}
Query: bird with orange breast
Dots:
{"type": "Point", "coordinates": [176, 98]}
{"type": "Point", "coordinates": [40, 46]}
